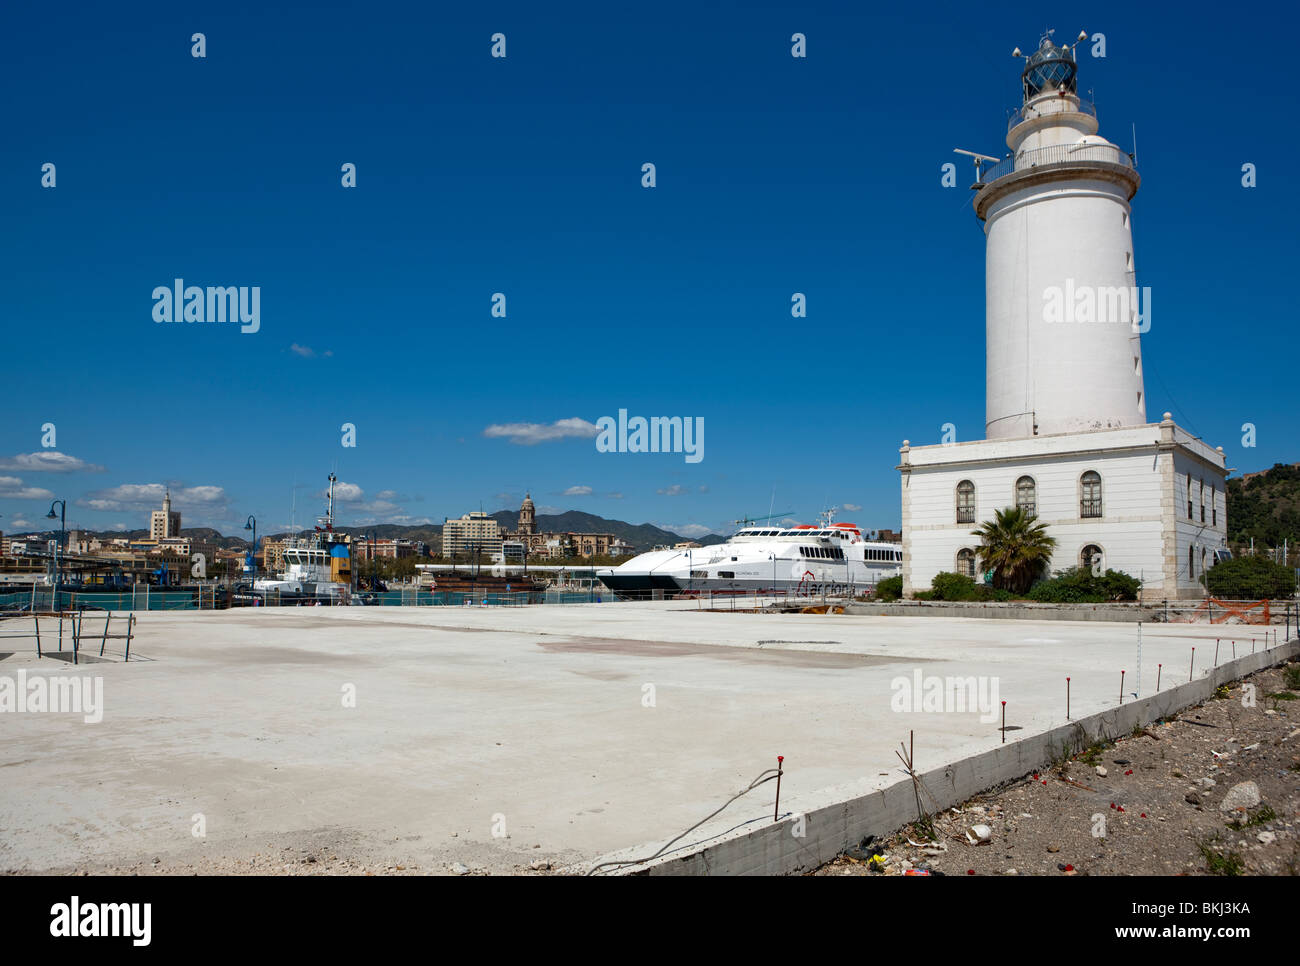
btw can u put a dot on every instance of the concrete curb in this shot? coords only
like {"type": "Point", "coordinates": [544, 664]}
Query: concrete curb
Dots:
{"type": "Point", "coordinates": [990, 610]}
{"type": "Point", "coordinates": [773, 850]}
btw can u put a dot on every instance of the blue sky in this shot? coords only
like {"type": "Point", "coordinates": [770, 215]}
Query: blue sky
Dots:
{"type": "Point", "coordinates": [522, 175]}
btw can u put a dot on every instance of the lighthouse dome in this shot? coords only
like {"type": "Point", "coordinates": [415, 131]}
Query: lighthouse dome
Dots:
{"type": "Point", "coordinates": [1049, 68]}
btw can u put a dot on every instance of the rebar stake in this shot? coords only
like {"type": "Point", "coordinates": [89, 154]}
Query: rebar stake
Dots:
{"type": "Point", "coordinates": [776, 809]}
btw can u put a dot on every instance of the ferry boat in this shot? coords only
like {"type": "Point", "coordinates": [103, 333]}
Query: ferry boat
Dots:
{"type": "Point", "coordinates": [832, 559]}
{"type": "Point", "coordinates": [318, 568]}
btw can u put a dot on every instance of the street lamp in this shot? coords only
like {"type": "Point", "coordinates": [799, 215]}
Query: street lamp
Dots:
{"type": "Point", "coordinates": [251, 524]}
{"type": "Point", "coordinates": [63, 529]}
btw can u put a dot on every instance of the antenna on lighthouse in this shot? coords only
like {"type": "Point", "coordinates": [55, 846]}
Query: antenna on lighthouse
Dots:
{"type": "Point", "coordinates": [979, 165]}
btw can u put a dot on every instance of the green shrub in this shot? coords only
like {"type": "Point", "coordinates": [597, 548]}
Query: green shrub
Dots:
{"type": "Point", "coordinates": [1077, 585]}
{"type": "Point", "coordinates": [950, 586]}
{"type": "Point", "coordinates": [891, 588]}
{"type": "Point", "coordinates": [1250, 578]}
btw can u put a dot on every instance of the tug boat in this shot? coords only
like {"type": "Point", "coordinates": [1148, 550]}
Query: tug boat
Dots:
{"type": "Point", "coordinates": [318, 568]}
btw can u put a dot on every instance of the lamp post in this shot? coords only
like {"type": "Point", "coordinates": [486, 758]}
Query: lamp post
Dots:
{"type": "Point", "coordinates": [370, 554]}
{"type": "Point", "coordinates": [251, 524]}
{"type": "Point", "coordinates": [63, 529]}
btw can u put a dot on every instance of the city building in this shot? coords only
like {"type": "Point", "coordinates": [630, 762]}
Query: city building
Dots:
{"type": "Point", "coordinates": [363, 548]}
{"type": "Point", "coordinates": [271, 553]}
{"type": "Point", "coordinates": [1066, 434]}
{"type": "Point", "coordinates": [557, 545]}
{"type": "Point", "coordinates": [473, 533]}
{"type": "Point", "coordinates": [164, 523]}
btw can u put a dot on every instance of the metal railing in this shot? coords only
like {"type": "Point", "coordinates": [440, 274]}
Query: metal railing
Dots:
{"type": "Point", "coordinates": [1026, 113]}
{"type": "Point", "coordinates": [1056, 154]}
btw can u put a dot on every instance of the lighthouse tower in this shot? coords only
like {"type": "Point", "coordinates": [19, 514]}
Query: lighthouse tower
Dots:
{"type": "Point", "coordinates": [1066, 437]}
{"type": "Point", "coordinates": [1063, 316]}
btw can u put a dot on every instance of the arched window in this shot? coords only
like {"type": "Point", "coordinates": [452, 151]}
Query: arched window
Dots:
{"type": "Point", "coordinates": [965, 502]}
{"type": "Point", "coordinates": [1090, 494]}
{"type": "Point", "coordinates": [1191, 563]}
{"type": "Point", "coordinates": [966, 562]}
{"type": "Point", "coordinates": [1090, 553]}
{"type": "Point", "coordinates": [1027, 495]}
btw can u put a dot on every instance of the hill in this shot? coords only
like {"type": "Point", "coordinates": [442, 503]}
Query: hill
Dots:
{"type": "Point", "coordinates": [1265, 507]}
{"type": "Point", "coordinates": [642, 536]}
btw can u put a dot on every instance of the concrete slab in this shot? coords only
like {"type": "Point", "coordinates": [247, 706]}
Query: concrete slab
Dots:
{"type": "Point", "coordinates": [535, 721]}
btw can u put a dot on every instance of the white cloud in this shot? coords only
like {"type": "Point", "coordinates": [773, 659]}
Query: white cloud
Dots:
{"type": "Point", "coordinates": [675, 490]}
{"type": "Point", "coordinates": [530, 434]}
{"type": "Point", "coordinates": [149, 496]}
{"type": "Point", "coordinates": [12, 487]}
{"type": "Point", "coordinates": [614, 496]}
{"type": "Point", "coordinates": [49, 461]}
{"type": "Point", "coordinates": [306, 351]}
{"type": "Point", "coordinates": [18, 523]}
{"type": "Point", "coordinates": [578, 491]}
{"type": "Point", "coordinates": [344, 493]}
{"type": "Point", "coordinates": [853, 507]}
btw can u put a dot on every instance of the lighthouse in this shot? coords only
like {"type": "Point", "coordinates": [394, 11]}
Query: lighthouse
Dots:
{"type": "Point", "coordinates": [1063, 312]}
{"type": "Point", "coordinates": [1065, 435]}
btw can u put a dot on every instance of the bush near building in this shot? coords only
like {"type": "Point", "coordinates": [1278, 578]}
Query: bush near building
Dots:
{"type": "Point", "coordinates": [946, 585]}
{"type": "Point", "coordinates": [1250, 578]}
{"type": "Point", "coordinates": [891, 588]}
{"type": "Point", "coordinates": [1077, 585]}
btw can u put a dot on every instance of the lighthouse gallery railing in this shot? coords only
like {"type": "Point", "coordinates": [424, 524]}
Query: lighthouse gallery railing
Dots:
{"type": "Point", "coordinates": [1056, 154]}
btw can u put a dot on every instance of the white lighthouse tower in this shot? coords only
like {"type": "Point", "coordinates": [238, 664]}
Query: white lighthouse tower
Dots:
{"type": "Point", "coordinates": [1066, 435]}
{"type": "Point", "coordinates": [1063, 314]}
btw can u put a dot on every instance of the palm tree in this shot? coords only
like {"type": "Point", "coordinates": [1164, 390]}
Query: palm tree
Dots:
{"type": "Point", "coordinates": [1016, 547]}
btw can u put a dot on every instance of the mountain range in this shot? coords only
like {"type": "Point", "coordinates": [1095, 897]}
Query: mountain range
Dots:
{"type": "Point", "coordinates": [641, 536]}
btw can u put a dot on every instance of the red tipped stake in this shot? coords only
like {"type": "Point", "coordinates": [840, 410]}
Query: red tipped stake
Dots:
{"type": "Point", "coordinates": [1191, 670]}
{"type": "Point", "coordinates": [1234, 650]}
{"type": "Point", "coordinates": [1252, 645]}
{"type": "Point", "coordinates": [1067, 699]}
{"type": "Point", "coordinates": [776, 809]}
{"type": "Point", "coordinates": [1004, 722]}
{"type": "Point", "coordinates": [1158, 667]}
{"type": "Point", "coordinates": [1216, 652]}
{"type": "Point", "coordinates": [1121, 687]}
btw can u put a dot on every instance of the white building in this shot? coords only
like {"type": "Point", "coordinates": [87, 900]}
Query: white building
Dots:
{"type": "Point", "coordinates": [1065, 410]}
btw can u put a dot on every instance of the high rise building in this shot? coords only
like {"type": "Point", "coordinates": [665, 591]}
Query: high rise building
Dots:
{"type": "Point", "coordinates": [164, 523]}
{"type": "Point", "coordinates": [1066, 434]}
{"type": "Point", "coordinates": [473, 533]}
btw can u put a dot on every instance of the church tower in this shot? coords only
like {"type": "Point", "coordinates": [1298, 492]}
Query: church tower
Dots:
{"type": "Point", "coordinates": [527, 516]}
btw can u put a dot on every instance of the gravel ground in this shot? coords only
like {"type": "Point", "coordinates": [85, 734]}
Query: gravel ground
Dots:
{"type": "Point", "coordinates": [1157, 798]}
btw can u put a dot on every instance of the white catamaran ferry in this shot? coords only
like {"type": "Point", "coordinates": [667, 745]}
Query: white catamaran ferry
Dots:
{"type": "Point", "coordinates": [803, 561]}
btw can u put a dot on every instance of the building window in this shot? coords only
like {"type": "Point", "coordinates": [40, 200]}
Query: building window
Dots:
{"type": "Point", "coordinates": [1189, 496]}
{"type": "Point", "coordinates": [1090, 494]}
{"type": "Point", "coordinates": [1027, 495]}
{"type": "Point", "coordinates": [1089, 554]}
{"type": "Point", "coordinates": [1191, 563]}
{"type": "Point", "coordinates": [1214, 507]}
{"type": "Point", "coordinates": [1202, 501]}
{"type": "Point", "coordinates": [965, 502]}
{"type": "Point", "coordinates": [966, 562]}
